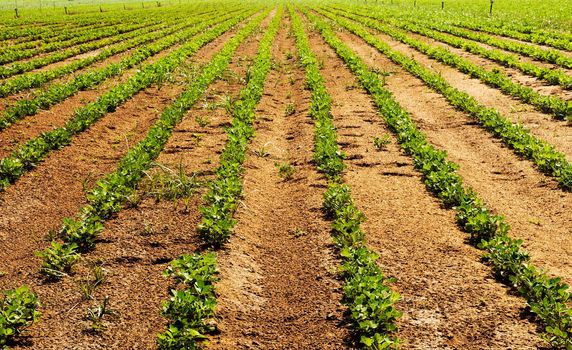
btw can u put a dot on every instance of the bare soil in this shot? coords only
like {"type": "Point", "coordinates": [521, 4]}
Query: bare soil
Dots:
{"type": "Point", "coordinates": [449, 298]}
{"type": "Point", "coordinates": [556, 132]}
{"type": "Point", "coordinates": [533, 204]}
{"type": "Point", "coordinates": [278, 288]}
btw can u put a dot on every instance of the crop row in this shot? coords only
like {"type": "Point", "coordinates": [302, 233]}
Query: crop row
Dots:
{"type": "Point", "coordinates": [35, 63]}
{"type": "Point", "coordinates": [55, 35]}
{"type": "Point", "coordinates": [547, 297]}
{"type": "Point", "coordinates": [73, 34]}
{"type": "Point", "coordinates": [551, 76]}
{"type": "Point", "coordinates": [31, 153]}
{"type": "Point", "coordinates": [548, 160]}
{"type": "Point", "coordinates": [225, 190]}
{"type": "Point", "coordinates": [547, 55]}
{"type": "Point", "coordinates": [190, 309]}
{"type": "Point", "coordinates": [558, 107]}
{"type": "Point", "coordinates": [32, 79]}
{"type": "Point", "coordinates": [14, 54]}
{"type": "Point", "coordinates": [59, 92]}
{"type": "Point", "coordinates": [109, 193]}
{"type": "Point", "coordinates": [512, 28]}
{"type": "Point", "coordinates": [28, 33]}
{"type": "Point", "coordinates": [367, 295]}
{"type": "Point", "coordinates": [532, 35]}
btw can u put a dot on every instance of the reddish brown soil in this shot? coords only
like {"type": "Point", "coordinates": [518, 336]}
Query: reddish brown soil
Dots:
{"type": "Point", "coordinates": [278, 289]}
{"type": "Point", "coordinates": [30, 208]}
{"type": "Point", "coordinates": [533, 204]}
{"type": "Point", "coordinates": [137, 244]}
{"type": "Point", "coordinates": [58, 115]}
{"type": "Point", "coordinates": [537, 84]}
{"type": "Point", "coordinates": [542, 125]}
{"type": "Point", "coordinates": [540, 46]}
{"type": "Point", "coordinates": [449, 299]}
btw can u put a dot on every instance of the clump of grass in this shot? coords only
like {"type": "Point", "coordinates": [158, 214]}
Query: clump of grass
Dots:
{"type": "Point", "coordinates": [290, 109]}
{"type": "Point", "coordinates": [202, 121]}
{"type": "Point", "coordinates": [169, 184]}
{"type": "Point", "coordinates": [285, 170]}
{"type": "Point", "coordinates": [381, 143]}
{"type": "Point", "coordinates": [88, 286]}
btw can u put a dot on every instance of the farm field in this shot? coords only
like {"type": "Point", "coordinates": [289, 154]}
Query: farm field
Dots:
{"type": "Point", "coordinates": [286, 175]}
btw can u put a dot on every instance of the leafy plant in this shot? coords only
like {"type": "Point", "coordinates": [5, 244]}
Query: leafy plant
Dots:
{"type": "Point", "coordinates": [190, 309]}
{"type": "Point", "coordinates": [285, 170]}
{"type": "Point", "coordinates": [58, 259]}
{"type": "Point", "coordinates": [17, 311]}
{"type": "Point", "coordinates": [381, 142]}
{"type": "Point", "coordinates": [290, 109]}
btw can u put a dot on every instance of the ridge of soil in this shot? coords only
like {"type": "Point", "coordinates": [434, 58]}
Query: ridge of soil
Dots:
{"type": "Point", "coordinates": [449, 298]}
{"type": "Point", "coordinates": [278, 288]}
{"type": "Point", "coordinates": [534, 206]}
{"type": "Point", "coordinates": [139, 242]}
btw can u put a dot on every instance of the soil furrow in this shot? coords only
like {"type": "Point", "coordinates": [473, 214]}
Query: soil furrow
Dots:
{"type": "Point", "coordinates": [542, 125]}
{"type": "Point", "coordinates": [137, 245]}
{"type": "Point", "coordinates": [40, 200]}
{"type": "Point", "coordinates": [278, 287]}
{"type": "Point", "coordinates": [449, 299]}
{"type": "Point", "coordinates": [32, 126]}
{"type": "Point", "coordinates": [537, 84]}
{"type": "Point", "coordinates": [535, 208]}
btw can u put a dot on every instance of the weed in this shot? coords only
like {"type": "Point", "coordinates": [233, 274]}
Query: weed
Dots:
{"type": "Point", "coordinates": [95, 315]}
{"type": "Point", "coordinates": [262, 152]}
{"type": "Point", "coordinates": [285, 170]}
{"type": "Point", "coordinates": [381, 143]}
{"type": "Point", "coordinates": [87, 287]}
{"type": "Point", "coordinates": [169, 184]}
{"type": "Point", "coordinates": [298, 232]}
{"type": "Point", "coordinates": [202, 120]}
{"type": "Point", "coordinates": [290, 109]}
